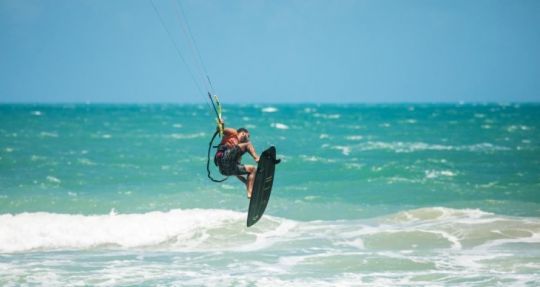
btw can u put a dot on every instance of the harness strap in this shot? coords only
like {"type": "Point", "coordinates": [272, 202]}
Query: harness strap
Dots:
{"type": "Point", "coordinates": [208, 159]}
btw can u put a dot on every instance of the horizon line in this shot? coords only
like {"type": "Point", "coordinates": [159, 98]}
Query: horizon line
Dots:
{"type": "Point", "coordinates": [460, 102]}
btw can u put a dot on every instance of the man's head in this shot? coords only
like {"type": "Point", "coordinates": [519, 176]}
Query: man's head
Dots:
{"type": "Point", "coordinates": [243, 135]}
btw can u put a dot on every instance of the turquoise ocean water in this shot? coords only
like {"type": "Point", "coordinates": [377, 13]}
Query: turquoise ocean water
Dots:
{"type": "Point", "coordinates": [366, 195]}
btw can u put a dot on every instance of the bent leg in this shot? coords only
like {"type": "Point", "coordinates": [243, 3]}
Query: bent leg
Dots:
{"type": "Point", "coordinates": [250, 179]}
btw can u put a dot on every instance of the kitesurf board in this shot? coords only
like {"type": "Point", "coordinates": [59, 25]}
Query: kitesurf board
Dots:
{"type": "Point", "coordinates": [264, 178]}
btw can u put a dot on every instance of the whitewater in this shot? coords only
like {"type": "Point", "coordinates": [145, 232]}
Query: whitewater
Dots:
{"type": "Point", "coordinates": [366, 195]}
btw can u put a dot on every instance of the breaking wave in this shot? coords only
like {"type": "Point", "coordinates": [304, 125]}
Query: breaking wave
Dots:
{"type": "Point", "coordinates": [210, 229]}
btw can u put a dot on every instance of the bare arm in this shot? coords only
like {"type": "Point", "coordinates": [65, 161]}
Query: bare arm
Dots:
{"type": "Point", "coordinates": [250, 149]}
{"type": "Point", "coordinates": [252, 152]}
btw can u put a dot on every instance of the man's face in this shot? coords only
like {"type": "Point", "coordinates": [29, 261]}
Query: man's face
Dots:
{"type": "Point", "coordinates": [243, 137]}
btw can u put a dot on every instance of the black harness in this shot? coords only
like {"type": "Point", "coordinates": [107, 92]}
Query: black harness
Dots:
{"type": "Point", "coordinates": [220, 150]}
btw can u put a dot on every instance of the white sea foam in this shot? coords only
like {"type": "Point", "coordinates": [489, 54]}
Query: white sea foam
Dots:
{"type": "Point", "coordinates": [533, 237]}
{"type": "Point", "coordinates": [408, 121]}
{"type": "Point", "coordinates": [407, 147]}
{"type": "Point", "coordinates": [327, 116]}
{"type": "Point", "coordinates": [37, 158]}
{"type": "Point", "coordinates": [310, 158]}
{"type": "Point", "coordinates": [188, 136]}
{"type": "Point", "coordinates": [438, 173]}
{"type": "Point", "coordinates": [269, 110]}
{"type": "Point", "coordinates": [427, 246]}
{"type": "Point", "coordinates": [345, 150]}
{"type": "Point", "coordinates": [354, 165]}
{"type": "Point", "coordinates": [354, 138]}
{"type": "Point", "coordinates": [279, 126]}
{"type": "Point", "coordinates": [85, 161]}
{"type": "Point", "coordinates": [324, 136]}
{"type": "Point", "coordinates": [48, 134]}
{"type": "Point", "coordinates": [440, 213]}
{"type": "Point", "coordinates": [313, 158]}
{"type": "Point", "coordinates": [53, 179]}
{"type": "Point", "coordinates": [514, 128]}
{"type": "Point", "coordinates": [176, 229]}
{"type": "Point", "coordinates": [398, 179]}
{"type": "Point", "coordinates": [198, 229]}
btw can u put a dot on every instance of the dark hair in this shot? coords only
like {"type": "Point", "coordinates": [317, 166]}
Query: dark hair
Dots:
{"type": "Point", "coordinates": [242, 130]}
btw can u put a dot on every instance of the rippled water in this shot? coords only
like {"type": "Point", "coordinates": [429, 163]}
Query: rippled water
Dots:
{"type": "Point", "coordinates": [368, 195]}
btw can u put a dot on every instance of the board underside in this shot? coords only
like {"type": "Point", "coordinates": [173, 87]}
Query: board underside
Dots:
{"type": "Point", "coordinates": [262, 187]}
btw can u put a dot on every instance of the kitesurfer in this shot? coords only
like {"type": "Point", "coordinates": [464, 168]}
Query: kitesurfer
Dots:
{"type": "Point", "coordinates": [229, 155]}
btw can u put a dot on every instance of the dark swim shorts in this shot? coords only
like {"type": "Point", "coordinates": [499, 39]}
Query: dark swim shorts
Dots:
{"type": "Point", "coordinates": [229, 164]}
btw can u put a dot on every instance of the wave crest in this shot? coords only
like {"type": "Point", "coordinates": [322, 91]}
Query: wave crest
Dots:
{"type": "Point", "coordinates": [190, 230]}
{"type": "Point", "coordinates": [222, 230]}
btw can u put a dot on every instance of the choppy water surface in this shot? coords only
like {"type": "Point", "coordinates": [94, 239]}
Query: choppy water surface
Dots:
{"type": "Point", "coordinates": [433, 195]}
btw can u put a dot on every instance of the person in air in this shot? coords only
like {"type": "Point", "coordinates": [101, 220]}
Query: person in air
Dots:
{"type": "Point", "coordinates": [228, 157]}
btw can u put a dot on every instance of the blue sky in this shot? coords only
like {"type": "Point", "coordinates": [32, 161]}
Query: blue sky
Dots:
{"type": "Point", "coordinates": [271, 51]}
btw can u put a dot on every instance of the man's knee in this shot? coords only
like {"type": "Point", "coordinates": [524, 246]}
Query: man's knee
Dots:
{"type": "Point", "coordinates": [250, 168]}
